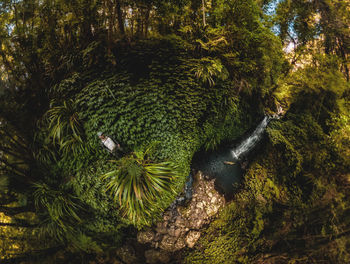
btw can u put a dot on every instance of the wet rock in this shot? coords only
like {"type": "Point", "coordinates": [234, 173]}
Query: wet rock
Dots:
{"type": "Point", "coordinates": [191, 238]}
{"type": "Point", "coordinates": [156, 256]}
{"type": "Point", "coordinates": [145, 237]}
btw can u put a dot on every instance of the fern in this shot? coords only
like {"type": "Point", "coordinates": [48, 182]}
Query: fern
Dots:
{"type": "Point", "coordinates": [137, 183]}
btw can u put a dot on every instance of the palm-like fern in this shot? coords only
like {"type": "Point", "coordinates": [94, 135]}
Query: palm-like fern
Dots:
{"type": "Point", "coordinates": [3, 183]}
{"type": "Point", "coordinates": [208, 69]}
{"type": "Point", "coordinates": [61, 211]}
{"type": "Point", "coordinates": [65, 127]}
{"type": "Point", "coordinates": [137, 183]}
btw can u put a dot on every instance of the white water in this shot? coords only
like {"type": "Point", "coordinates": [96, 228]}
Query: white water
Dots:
{"type": "Point", "coordinates": [251, 141]}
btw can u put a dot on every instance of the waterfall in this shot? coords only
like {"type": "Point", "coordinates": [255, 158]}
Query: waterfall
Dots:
{"type": "Point", "coordinates": [247, 144]}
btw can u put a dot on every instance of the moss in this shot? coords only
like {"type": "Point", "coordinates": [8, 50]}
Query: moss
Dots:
{"type": "Point", "coordinates": [292, 192]}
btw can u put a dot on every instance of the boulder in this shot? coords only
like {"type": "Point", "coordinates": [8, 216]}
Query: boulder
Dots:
{"type": "Point", "coordinates": [144, 237]}
{"type": "Point", "coordinates": [191, 238]}
{"type": "Point", "coordinates": [180, 244]}
{"type": "Point", "coordinates": [168, 243]}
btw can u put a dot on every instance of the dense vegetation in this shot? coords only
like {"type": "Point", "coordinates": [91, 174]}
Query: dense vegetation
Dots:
{"type": "Point", "coordinates": [167, 79]}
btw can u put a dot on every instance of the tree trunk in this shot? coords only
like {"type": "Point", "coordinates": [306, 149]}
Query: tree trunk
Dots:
{"type": "Point", "coordinates": [120, 17]}
{"type": "Point", "coordinates": [203, 10]}
{"type": "Point", "coordinates": [148, 10]}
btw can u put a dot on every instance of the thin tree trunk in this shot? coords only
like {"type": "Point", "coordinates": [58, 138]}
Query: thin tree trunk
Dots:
{"type": "Point", "coordinates": [203, 10]}
{"type": "Point", "coordinates": [148, 10]}
{"type": "Point", "coordinates": [120, 17]}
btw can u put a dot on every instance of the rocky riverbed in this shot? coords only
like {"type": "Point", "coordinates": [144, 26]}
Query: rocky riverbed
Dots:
{"type": "Point", "coordinates": [181, 225]}
{"type": "Point", "coordinates": [180, 228]}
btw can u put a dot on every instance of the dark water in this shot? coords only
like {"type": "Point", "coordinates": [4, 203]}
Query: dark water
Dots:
{"type": "Point", "coordinates": [213, 165]}
{"type": "Point", "coordinates": [225, 164]}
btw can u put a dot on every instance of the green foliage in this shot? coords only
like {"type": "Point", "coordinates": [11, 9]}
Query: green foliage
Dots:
{"type": "Point", "coordinates": [137, 183]}
{"type": "Point", "coordinates": [106, 74]}
{"type": "Point", "coordinates": [3, 183]}
{"type": "Point", "coordinates": [292, 204]}
{"type": "Point", "coordinates": [316, 25]}
{"type": "Point", "coordinates": [207, 69]}
{"type": "Point", "coordinates": [61, 210]}
{"type": "Point", "coordinates": [65, 127]}
{"type": "Point", "coordinates": [73, 221]}
{"type": "Point", "coordinates": [322, 74]}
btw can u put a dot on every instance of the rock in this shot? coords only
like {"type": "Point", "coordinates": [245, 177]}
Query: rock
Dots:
{"type": "Point", "coordinates": [168, 243]}
{"type": "Point", "coordinates": [196, 223]}
{"type": "Point", "coordinates": [156, 256]}
{"type": "Point", "coordinates": [171, 231]}
{"type": "Point", "coordinates": [179, 222]}
{"type": "Point", "coordinates": [127, 254]}
{"type": "Point", "coordinates": [191, 238]}
{"type": "Point", "coordinates": [180, 244]}
{"type": "Point", "coordinates": [212, 210]}
{"type": "Point", "coordinates": [158, 237]}
{"type": "Point", "coordinates": [145, 237]}
{"type": "Point", "coordinates": [177, 232]}
{"type": "Point", "coordinates": [162, 227]}
{"type": "Point", "coordinates": [167, 215]}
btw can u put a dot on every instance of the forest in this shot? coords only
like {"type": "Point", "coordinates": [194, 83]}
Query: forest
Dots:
{"type": "Point", "coordinates": [168, 80]}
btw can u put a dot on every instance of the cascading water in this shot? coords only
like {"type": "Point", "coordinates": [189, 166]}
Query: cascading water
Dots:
{"type": "Point", "coordinates": [225, 164]}
{"type": "Point", "coordinates": [251, 141]}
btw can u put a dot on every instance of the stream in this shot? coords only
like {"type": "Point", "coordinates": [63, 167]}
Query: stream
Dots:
{"type": "Point", "coordinates": [227, 164]}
